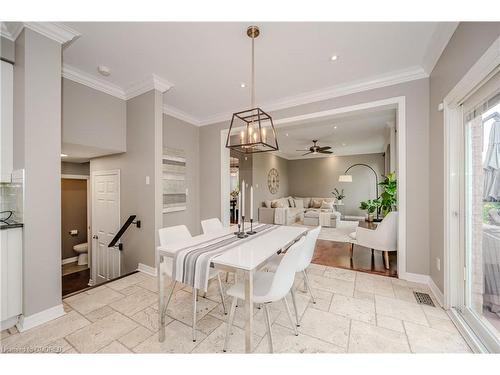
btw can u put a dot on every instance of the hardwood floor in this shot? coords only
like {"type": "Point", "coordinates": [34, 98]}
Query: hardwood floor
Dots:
{"type": "Point", "coordinates": [75, 281]}
{"type": "Point", "coordinates": [336, 254]}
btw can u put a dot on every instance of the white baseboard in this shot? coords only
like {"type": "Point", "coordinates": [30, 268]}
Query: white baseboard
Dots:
{"type": "Point", "coordinates": [8, 323]}
{"type": "Point", "coordinates": [415, 278]}
{"type": "Point", "coordinates": [147, 269]}
{"type": "Point", "coordinates": [69, 260]}
{"type": "Point", "coordinates": [436, 291]}
{"type": "Point", "coordinates": [28, 322]}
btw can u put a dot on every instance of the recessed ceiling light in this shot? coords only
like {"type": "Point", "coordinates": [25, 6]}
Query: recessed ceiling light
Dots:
{"type": "Point", "coordinates": [63, 155]}
{"type": "Point", "coordinates": [286, 134]}
{"type": "Point", "coordinates": [335, 127]}
{"type": "Point", "coordinates": [243, 85]}
{"type": "Point", "coordinates": [104, 70]}
{"type": "Point", "coordinates": [334, 57]}
{"type": "Point", "coordinates": [343, 144]}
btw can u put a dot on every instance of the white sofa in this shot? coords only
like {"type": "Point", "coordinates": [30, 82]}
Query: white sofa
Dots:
{"type": "Point", "coordinates": [289, 210]}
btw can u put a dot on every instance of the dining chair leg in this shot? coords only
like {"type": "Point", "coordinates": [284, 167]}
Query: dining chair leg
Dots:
{"type": "Point", "coordinates": [221, 291]}
{"type": "Point", "coordinates": [268, 326]}
{"type": "Point", "coordinates": [195, 298]}
{"type": "Point", "coordinates": [308, 286]}
{"type": "Point", "coordinates": [227, 277]}
{"type": "Point", "coordinates": [170, 293]}
{"type": "Point", "coordinates": [294, 302]}
{"type": "Point", "coordinates": [351, 252]}
{"type": "Point", "coordinates": [386, 259]}
{"type": "Point", "coordinates": [289, 313]}
{"type": "Point", "coordinates": [230, 323]}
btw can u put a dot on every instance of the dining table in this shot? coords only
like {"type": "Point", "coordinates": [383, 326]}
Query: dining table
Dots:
{"type": "Point", "coordinates": [245, 257]}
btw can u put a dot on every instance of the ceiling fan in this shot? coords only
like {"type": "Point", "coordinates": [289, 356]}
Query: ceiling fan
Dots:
{"type": "Point", "coordinates": [314, 149]}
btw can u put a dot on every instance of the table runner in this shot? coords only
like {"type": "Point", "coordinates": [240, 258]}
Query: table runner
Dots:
{"type": "Point", "coordinates": [191, 264]}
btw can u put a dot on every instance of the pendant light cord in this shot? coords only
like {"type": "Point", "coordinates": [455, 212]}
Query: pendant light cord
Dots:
{"type": "Point", "coordinates": [253, 72]}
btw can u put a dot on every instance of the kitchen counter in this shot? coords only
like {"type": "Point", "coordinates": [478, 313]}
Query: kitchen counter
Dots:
{"type": "Point", "coordinates": [11, 226]}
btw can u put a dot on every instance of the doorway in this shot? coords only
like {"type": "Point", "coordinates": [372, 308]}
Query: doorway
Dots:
{"type": "Point", "coordinates": [75, 228]}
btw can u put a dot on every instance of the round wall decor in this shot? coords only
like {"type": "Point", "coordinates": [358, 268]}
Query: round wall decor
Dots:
{"type": "Point", "coordinates": [273, 180]}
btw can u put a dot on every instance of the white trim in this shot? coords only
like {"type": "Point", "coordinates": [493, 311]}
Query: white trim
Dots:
{"type": "Point", "coordinates": [54, 30]}
{"type": "Point", "coordinates": [415, 277]}
{"type": "Point", "coordinates": [152, 82]}
{"type": "Point", "coordinates": [69, 260]}
{"type": "Point", "coordinates": [144, 268]}
{"type": "Point", "coordinates": [452, 136]}
{"type": "Point", "coordinates": [76, 176]}
{"type": "Point", "coordinates": [437, 292]}
{"type": "Point", "coordinates": [76, 75]}
{"type": "Point", "coordinates": [399, 102]}
{"type": "Point", "coordinates": [9, 323]}
{"type": "Point", "coordinates": [28, 322]}
{"type": "Point", "coordinates": [11, 30]}
{"type": "Point", "coordinates": [181, 115]}
{"type": "Point", "coordinates": [393, 78]}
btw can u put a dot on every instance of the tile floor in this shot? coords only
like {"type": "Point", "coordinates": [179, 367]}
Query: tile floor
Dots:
{"type": "Point", "coordinates": [355, 312]}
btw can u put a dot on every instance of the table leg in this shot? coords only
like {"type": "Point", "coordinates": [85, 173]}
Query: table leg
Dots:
{"type": "Point", "coordinates": [161, 300]}
{"type": "Point", "coordinates": [248, 311]}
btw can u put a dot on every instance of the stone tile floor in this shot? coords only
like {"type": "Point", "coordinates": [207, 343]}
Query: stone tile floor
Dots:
{"type": "Point", "coordinates": [354, 312]}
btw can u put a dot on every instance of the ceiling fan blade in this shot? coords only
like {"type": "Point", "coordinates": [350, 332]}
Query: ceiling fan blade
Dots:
{"type": "Point", "coordinates": [325, 152]}
{"type": "Point", "coordinates": [324, 148]}
{"type": "Point", "coordinates": [304, 150]}
{"type": "Point", "coordinates": [307, 153]}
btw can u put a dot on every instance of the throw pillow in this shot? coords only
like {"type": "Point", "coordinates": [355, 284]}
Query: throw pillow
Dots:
{"type": "Point", "coordinates": [267, 204]}
{"type": "Point", "coordinates": [299, 203]}
{"type": "Point", "coordinates": [306, 201]}
{"type": "Point", "coordinates": [326, 206]}
{"type": "Point", "coordinates": [278, 203]}
{"type": "Point", "coordinates": [291, 202]}
{"type": "Point", "coordinates": [316, 203]}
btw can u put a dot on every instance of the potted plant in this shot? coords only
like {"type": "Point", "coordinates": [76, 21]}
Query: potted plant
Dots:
{"type": "Point", "coordinates": [370, 206]}
{"type": "Point", "coordinates": [338, 195]}
{"type": "Point", "coordinates": [388, 199]}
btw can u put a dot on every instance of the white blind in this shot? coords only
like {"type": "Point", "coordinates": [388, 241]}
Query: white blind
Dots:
{"type": "Point", "coordinates": [484, 98]}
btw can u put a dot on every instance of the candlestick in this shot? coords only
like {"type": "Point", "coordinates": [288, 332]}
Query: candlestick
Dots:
{"type": "Point", "coordinates": [242, 234]}
{"type": "Point", "coordinates": [251, 231]}
{"type": "Point", "coordinates": [239, 207]}
{"type": "Point", "coordinates": [251, 203]}
{"type": "Point", "coordinates": [243, 198]}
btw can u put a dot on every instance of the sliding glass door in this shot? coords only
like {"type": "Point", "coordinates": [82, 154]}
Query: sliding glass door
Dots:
{"type": "Point", "coordinates": [479, 302]}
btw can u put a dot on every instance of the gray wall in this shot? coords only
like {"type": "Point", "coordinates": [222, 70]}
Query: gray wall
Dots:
{"type": "Point", "coordinates": [262, 163]}
{"type": "Point", "coordinates": [318, 177]}
{"type": "Point", "coordinates": [182, 135]}
{"type": "Point", "coordinates": [7, 49]}
{"type": "Point", "coordinates": [141, 160]}
{"type": "Point", "coordinates": [91, 118]}
{"type": "Point", "coordinates": [37, 145]}
{"type": "Point", "coordinates": [75, 168]}
{"type": "Point", "coordinates": [467, 45]}
{"type": "Point", "coordinates": [417, 158]}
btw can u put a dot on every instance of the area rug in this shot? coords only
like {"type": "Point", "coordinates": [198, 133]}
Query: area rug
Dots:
{"type": "Point", "coordinates": [338, 234]}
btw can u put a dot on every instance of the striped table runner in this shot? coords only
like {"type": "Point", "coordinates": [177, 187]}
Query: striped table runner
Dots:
{"type": "Point", "coordinates": [191, 264]}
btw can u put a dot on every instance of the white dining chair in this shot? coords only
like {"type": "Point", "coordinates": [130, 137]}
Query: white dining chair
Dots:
{"type": "Point", "coordinates": [303, 262]}
{"type": "Point", "coordinates": [179, 233]}
{"type": "Point", "coordinates": [383, 238]}
{"type": "Point", "coordinates": [268, 287]}
{"type": "Point", "coordinates": [211, 225]}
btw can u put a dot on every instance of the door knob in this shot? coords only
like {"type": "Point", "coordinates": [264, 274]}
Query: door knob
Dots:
{"type": "Point", "coordinates": [95, 237]}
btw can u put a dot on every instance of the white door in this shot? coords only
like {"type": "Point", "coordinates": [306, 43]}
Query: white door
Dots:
{"type": "Point", "coordinates": [105, 224]}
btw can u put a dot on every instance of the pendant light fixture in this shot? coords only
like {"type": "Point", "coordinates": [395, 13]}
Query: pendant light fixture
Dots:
{"type": "Point", "coordinates": [252, 130]}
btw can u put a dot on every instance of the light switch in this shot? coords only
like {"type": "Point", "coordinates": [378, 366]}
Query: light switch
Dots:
{"type": "Point", "coordinates": [147, 180]}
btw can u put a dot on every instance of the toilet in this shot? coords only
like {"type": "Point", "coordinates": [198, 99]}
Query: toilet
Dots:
{"type": "Point", "coordinates": [82, 249]}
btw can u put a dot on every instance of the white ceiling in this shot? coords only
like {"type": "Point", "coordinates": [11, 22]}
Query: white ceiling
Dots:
{"type": "Point", "coordinates": [362, 132]}
{"type": "Point", "coordinates": [206, 62]}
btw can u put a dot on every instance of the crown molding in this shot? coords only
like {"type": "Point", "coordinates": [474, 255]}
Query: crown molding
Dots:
{"type": "Point", "coordinates": [394, 78]}
{"type": "Point", "coordinates": [76, 75]}
{"type": "Point", "coordinates": [181, 115]}
{"type": "Point", "coordinates": [11, 30]}
{"type": "Point", "coordinates": [153, 82]}
{"type": "Point", "coordinates": [54, 30]}
{"type": "Point", "coordinates": [439, 40]}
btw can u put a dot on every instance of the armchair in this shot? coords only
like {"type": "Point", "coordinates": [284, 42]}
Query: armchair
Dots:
{"type": "Point", "coordinates": [383, 238]}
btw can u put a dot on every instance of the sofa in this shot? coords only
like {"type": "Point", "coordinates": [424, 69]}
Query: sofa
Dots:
{"type": "Point", "coordinates": [309, 210]}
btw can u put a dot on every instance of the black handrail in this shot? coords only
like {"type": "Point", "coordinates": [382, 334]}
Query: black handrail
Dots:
{"type": "Point", "coordinates": [122, 230]}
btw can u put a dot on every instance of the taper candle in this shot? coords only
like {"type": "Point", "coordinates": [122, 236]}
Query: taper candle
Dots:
{"type": "Point", "coordinates": [251, 202]}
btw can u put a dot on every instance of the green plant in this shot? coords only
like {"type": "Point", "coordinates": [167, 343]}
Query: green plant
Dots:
{"type": "Point", "coordinates": [235, 192]}
{"type": "Point", "coordinates": [388, 198]}
{"type": "Point", "coordinates": [370, 206]}
{"type": "Point", "coordinates": [339, 195]}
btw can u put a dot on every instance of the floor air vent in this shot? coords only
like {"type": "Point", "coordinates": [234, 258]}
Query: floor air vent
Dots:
{"type": "Point", "coordinates": [423, 299]}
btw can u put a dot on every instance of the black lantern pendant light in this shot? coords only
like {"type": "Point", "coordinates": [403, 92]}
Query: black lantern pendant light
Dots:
{"type": "Point", "coordinates": [252, 130]}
